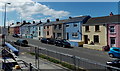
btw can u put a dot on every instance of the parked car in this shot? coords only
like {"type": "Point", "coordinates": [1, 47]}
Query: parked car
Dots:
{"type": "Point", "coordinates": [21, 42]}
{"type": "Point", "coordinates": [114, 63]}
{"type": "Point", "coordinates": [62, 43]}
{"type": "Point", "coordinates": [48, 40]}
{"type": "Point", "coordinates": [16, 35]}
{"type": "Point", "coordinates": [114, 52]}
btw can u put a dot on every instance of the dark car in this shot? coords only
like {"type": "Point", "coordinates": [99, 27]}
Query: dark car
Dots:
{"type": "Point", "coordinates": [43, 40]}
{"type": "Point", "coordinates": [62, 43]}
{"type": "Point", "coordinates": [114, 63]}
{"type": "Point", "coordinates": [48, 40]}
{"type": "Point", "coordinates": [21, 42]}
{"type": "Point", "coordinates": [16, 35]}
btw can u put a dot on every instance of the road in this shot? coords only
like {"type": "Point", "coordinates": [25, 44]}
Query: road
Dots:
{"type": "Point", "coordinates": [93, 55]}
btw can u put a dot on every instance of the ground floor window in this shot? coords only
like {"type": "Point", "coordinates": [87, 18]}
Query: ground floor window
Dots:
{"type": "Point", "coordinates": [112, 41]}
{"type": "Point", "coordinates": [96, 39]}
{"type": "Point", "coordinates": [74, 34]}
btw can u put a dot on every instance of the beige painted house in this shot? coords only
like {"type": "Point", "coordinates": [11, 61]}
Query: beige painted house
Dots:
{"type": "Point", "coordinates": [48, 31]}
{"type": "Point", "coordinates": [94, 33]}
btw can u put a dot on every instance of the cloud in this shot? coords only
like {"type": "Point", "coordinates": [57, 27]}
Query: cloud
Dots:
{"type": "Point", "coordinates": [28, 8]}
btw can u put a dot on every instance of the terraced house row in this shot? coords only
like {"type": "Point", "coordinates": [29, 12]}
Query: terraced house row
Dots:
{"type": "Point", "coordinates": [84, 30]}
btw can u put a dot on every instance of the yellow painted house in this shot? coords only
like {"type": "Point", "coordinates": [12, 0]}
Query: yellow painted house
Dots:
{"type": "Point", "coordinates": [94, 33]}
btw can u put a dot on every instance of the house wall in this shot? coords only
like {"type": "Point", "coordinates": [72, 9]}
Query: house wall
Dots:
{"type": "Point", "coordinates": [116, 35]}
{"type": "Point", "coordinates": [102, 34]}
{"type": "Point", "coordinates": [57, 31]}
{"type": "Point", "coordinates": [49, 29]}
{"type": "Point", "coordinates": [71, 29]}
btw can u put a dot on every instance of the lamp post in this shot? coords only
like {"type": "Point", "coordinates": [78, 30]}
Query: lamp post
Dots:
{"type": "Point", "coordinates": [4, 33]}
{"type": "Point", "coordinates": [5, 23]}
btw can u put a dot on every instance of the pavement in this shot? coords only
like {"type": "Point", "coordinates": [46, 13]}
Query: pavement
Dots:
{"type": "Point", "coordinates": [43, 64]}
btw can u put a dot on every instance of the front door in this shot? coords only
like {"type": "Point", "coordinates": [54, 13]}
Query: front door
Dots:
{"type": "Point", "coordinates": [112, 42]}
{"type": "Point", "coordinates": [86, 39]}
{"type": "Point", "coordinates": [67, 36]}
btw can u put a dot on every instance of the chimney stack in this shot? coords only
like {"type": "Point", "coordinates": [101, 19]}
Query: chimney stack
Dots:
{"type": "Point", "coordinates": [33, 22]}
{"type": "Point", "coordinates": [57, 19]}
{"type": "Point", "coordinates": [70, 17]}
{"type": "Point", "coordinates": [111, 14]}
{"type": "Point", "coordinates": [48, 20]}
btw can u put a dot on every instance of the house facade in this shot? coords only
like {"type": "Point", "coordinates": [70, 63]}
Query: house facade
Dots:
{"type": "Point", "coordinates": [41, 30]}
{"type": "Point", "coordinates": [100, 31]}
{"type": "Point", "coordinates": [15, 29]}
{"type": "Point", "coordinates": [113, 31]}
{"type": "Point", "coordinates": [73, 29]}
{"type": "Point", "coordinates": [33, 31]}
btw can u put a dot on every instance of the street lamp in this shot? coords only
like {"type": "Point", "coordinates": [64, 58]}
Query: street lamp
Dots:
{"type": "Point", "coordinates": [4, 32]}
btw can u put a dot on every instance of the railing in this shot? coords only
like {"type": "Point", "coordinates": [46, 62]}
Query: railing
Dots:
{"type": "Point", "coordinates": [78, 62]}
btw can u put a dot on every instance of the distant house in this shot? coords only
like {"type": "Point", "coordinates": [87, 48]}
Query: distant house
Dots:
{"type": "Point", "coordinates": [25, 30]}
{"type": "Point", "coordinates": [59, 29]}
{"type": "Point", "coordinates": [15, 29]}
{"type": "Point", "coordinates": [33, 31]}
{"type": "Point", "coordinates": [41, 30]}
{"type": "Point", "coordinates": [73, 29]}
{"type": "Point", "coordinates": [95, 32]}
{"type": "Point", "coordinates": [114, 31]}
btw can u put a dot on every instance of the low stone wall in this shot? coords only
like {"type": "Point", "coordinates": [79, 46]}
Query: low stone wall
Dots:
{"type": "Point", "coordinates": [96, 47]}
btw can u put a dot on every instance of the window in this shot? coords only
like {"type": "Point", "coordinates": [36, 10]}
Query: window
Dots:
{"type": "Point", "coordinates": [47, 32]}
{"type": "Point", "coordinates": [58, 34]}
{"type": "Point", "coordinates": [39, 33]}
{"type": "Point", "coordinates": [96, 39]}
{"type": "Point", "coordinates": [112, 29]}
{"type": "Point", "coordinates": [75, 25]}
{"type": "Point", "coordinates": [86, 28]}
{"type": "Point", "coordinates": [60, 26]}
{"type": "Point", "coordinates": [75, 34]}
{"type": "Point", "coordinates": [48, 27]}
{"type": "Point", "coordinates": [97, 28]}
{"type": "Point", "coordinates": [67, 25]}
{"type": "Point", "coordinates": [44, 27]}
{"type": "Point", "coordinates": [112, 40]}
{"type": "Point", "coordinates": [55, 26]}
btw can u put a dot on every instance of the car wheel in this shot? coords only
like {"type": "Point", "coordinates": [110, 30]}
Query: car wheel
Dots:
{"type": "Point", "coordinates": [111, 55]}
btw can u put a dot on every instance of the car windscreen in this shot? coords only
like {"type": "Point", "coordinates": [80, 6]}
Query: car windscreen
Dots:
{"type": "Point", "coordinates": [24, 41]}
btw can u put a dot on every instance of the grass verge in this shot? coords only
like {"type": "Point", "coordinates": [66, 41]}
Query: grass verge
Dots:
{"type": "Point", "coordinates": [65, 64]}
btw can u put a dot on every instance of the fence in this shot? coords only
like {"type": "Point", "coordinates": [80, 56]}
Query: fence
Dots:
{"type": "Point", "coordinates": [78, 62]}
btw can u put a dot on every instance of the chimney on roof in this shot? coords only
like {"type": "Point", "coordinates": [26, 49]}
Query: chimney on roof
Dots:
{"type": "Point", "coordinates": [48, 20]}
{"type": "Point", "coordinates": [70, 17]}
{"type": "Point", "coordinates": [17, 22]}
{"type": "Point", "coordinates": [57, 19]}
{"type": "Point", "coordinates": [40, 22]}
{"type": "Point", "coordinates": [111, 14]}
{"type": "Point", "coordinates": [33, 22]}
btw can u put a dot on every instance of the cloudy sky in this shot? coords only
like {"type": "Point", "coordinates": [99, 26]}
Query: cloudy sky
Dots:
{"type": "Point", "coordinates": [37, 10]}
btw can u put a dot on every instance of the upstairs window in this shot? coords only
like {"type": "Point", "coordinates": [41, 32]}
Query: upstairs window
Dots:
{"type": "Point", "coordinates": [67, 25]}
{"type": "Point", "coordinates": [47, 27]}
{"type": "Point", "coordinates": [60, 26]}
{"type": "Point", "coordinates": [75, 25]}
{"type": "Point", "coordinates": [47, 32]}
{"type": "Point", "coordinates": [112, 29]}
{"type": "Point", "coordinates": [97, 28]}
{"type": "Point", "coordinates": [86, 28]}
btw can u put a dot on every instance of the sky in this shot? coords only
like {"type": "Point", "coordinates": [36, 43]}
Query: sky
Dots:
{"type": "Point", "coordinates": [30, 10]}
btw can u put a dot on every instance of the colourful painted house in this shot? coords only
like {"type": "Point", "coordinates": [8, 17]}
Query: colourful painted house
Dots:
{"type": "Point", "coordinates": [113, 31]}
{"type": "Point", "coordinates": [96, 31]}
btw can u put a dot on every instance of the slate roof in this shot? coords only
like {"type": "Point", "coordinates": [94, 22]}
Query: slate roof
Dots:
{"type": "Point", "coordinates": [103, 20]}
{"type": "Point", "coordinates": [70, 20]}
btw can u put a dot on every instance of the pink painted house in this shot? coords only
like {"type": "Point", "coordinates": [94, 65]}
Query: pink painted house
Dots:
{"type": "Point", "coordinates": [113, 29]}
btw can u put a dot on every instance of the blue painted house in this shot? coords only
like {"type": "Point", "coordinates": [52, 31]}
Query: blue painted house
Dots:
{"type": "Point", "coordinates": [24, 30]}
{"type": "Point", "coordinates": [73, 29]}
{"type": "Point", "coordinates": [33, 31]}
